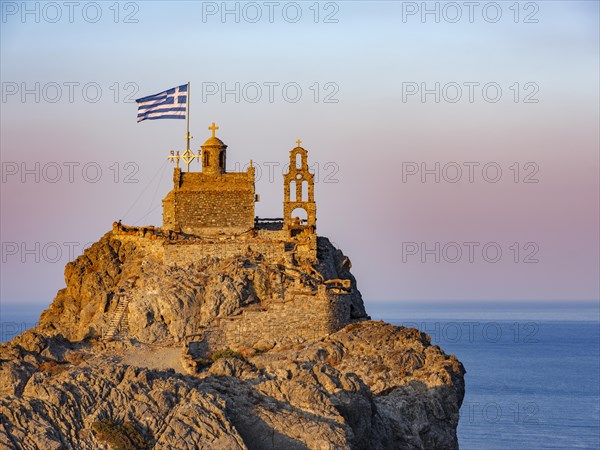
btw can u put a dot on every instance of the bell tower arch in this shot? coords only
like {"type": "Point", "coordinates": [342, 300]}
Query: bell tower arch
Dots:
{"type": "Point", "coordinates": [300, 209]}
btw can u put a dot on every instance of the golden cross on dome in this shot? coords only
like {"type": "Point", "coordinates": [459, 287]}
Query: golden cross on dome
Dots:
{"type": "Point", "coordinates": [213, 128]}
{"type": "Point", "coordinates": [298, 142]}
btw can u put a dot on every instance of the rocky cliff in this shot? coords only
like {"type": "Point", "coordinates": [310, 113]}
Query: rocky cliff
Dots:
{"type": "Point", "coordinates": [169, 301]}
{"type": "Point", "coordinates": [368, 385]}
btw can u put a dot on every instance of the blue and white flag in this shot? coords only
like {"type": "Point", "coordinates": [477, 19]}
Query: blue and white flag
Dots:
{"type": "Point", "coordinates": [171, 104]}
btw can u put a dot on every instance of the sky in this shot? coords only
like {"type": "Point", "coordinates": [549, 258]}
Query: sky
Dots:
{"type": "Point", "coordinates": [455, 146]}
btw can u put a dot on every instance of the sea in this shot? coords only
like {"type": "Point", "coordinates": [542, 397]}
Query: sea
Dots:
{"type": "Point", "coordinates": [533, 368]}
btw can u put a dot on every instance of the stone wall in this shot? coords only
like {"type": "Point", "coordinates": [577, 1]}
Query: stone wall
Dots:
{"type": "Point", "coordinates": [200, 202]}
{"type": "Point", "coordinates": [274, 246]}
{"type": "Point", "coordinates": [183, 253]}
{"type": "Point", "coordinates": [304, 317]}
{"type": "Point", "coordinates": [150, 248]}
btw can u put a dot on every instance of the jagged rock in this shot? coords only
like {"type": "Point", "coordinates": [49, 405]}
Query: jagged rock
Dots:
{"type": "Point", "coordinates": [368, 386]}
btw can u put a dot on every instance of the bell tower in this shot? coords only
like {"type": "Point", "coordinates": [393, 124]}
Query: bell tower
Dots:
{"type": "Point", "coordinates": [299, 207]}
{"type": "Point", "coordinates": [213, 153]}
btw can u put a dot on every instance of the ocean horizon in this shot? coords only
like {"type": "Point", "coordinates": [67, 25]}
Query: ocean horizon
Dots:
{"type": "Point", "coordinates": [532, 367]}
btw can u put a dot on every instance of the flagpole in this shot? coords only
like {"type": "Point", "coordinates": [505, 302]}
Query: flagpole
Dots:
{"type": "Point", "coordinates": [187, 135]}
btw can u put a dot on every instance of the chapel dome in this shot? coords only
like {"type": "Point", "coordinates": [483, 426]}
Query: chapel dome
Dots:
{"type": "Point", "coordinates": [213, 142]}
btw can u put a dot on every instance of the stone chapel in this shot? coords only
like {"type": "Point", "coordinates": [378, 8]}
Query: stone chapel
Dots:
{"type": "Point", "coordinates": [217, 202]}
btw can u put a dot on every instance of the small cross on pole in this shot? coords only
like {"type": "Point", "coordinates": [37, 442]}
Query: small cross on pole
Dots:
{"type": "Point", "coordinates": [187, 157]}
{"type": "Point", "coordinates": [298, 142]}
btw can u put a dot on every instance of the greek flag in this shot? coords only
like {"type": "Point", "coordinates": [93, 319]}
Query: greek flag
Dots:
{"type": "Point", "coordinates": [171, 104]}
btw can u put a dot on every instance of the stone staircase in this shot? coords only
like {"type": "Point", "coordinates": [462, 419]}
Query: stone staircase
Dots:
{"type": "Point", "coordinates": [119, 322]}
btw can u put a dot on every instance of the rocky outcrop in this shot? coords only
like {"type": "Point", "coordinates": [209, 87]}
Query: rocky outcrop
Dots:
{"type": "Point", "coordinates": [368, 386]}
{"type": "Point", "coordinates": [354, 384]}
